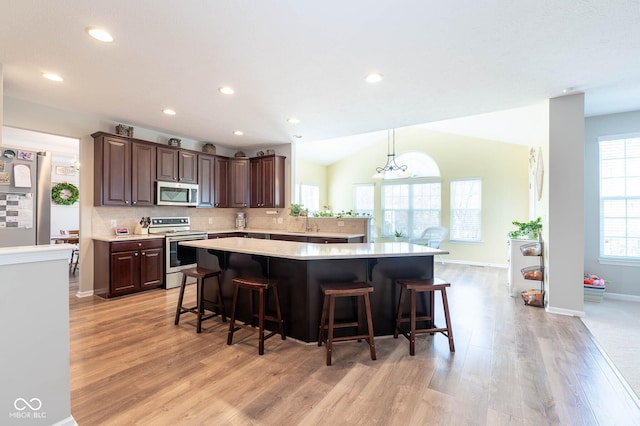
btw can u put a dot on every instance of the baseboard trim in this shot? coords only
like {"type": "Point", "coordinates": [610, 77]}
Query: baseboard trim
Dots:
{"type": "Point", "coordinates": [69, 421]}
{"type": "Point", "coordinates": [562, 311]}
{"type": "Point", "coordinates": [465, 262]}
{"type": "Point", "coordinates": [620, 296]}
{"type": "Point", "coordinates": [81, 294]}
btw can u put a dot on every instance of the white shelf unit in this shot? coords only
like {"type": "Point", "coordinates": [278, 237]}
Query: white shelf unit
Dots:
{"type": "Point", "coordinates": [518, 261]}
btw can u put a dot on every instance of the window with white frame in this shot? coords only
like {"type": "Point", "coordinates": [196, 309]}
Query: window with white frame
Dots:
{"type": "Point", "coordinates": [620, 197]}
{"type": "Point", "coordinates": [410, 208]}
{"type": "Point", "coordinates": [363, 198]}
{"type": "Point", "coordinates": [466, 209]}
{"type": "Point", "coordinates": [309, 196]}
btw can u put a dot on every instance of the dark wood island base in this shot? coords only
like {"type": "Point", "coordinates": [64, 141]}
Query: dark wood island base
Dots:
{"type": "Point", "coordinates": [299, 283]}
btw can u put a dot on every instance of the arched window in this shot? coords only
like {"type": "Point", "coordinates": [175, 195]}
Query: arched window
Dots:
{"type": "Point", "coordinates": [408, 208]}
{"type": "Point", "coordinates": [418, 164]}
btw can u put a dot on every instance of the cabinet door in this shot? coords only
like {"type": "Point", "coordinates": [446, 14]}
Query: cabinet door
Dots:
{"type": "Point", "coordinates": [143, 174]}
{"type": "Point", "coordinates": [125, 272]}
{"type": "Point", "coordinates": [187, 167]}
{"type": "Point", "coordinates": [206, 179]}
{"type": "Point", "coordinates": [151, 261]}
{"type": "Point", "coordinates": [221, 182]}
{"type": "Point", "coordinates": [267, 174]}
{"type": "Point", "coordinates": [239, 174]}
{"type": "Point", "coordinates": [167, 166]}
{"type": "Point", "coordinates": [256, 183]}
{"type": "Point", "coordinates": [113, 172]}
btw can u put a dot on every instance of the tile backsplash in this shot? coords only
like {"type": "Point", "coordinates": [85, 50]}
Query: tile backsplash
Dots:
{"type": "Point", "coordinates": [216, 219]}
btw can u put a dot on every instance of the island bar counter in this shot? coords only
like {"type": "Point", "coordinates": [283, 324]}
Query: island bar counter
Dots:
{"type": "Point", "coordinates": [300, 268]}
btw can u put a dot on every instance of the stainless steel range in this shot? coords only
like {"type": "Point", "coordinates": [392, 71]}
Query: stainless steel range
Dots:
{"type": "Point", "coordinates": [177, 257]}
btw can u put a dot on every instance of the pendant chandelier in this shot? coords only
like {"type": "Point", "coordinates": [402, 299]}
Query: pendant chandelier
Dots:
{"type": "Point", "coordinates": [391, 170]}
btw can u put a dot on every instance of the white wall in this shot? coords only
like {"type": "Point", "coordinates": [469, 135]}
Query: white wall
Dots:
{"type": "Point", "coordinates": [623, 279]}
{"type": "Point", "coordinates": [564, 225]}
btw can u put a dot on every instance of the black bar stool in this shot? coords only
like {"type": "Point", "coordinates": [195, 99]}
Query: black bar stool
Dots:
{"type": "Point", "coordinates": [200, 274]}
{"type": "Point", "coordinates": [333, 290]}
{"type": "Point", "coordinates": [261, 285]}
{"type": "Point", "coordinates": [420, 286]}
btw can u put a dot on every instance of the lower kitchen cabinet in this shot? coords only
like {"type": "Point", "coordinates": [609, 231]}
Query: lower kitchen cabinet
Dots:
{"type": "Point", "coordinates": [124, 267]}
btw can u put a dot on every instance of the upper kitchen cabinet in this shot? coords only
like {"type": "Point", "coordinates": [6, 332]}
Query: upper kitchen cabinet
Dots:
{"type": "Point", "coordinates": [124, 171]}
{"type": "Point", "coordinates": [239, 182]}
{"type": "Point", "coordinates": [221, 182]}
{"type": "Point", "coordinates": [267, 181]}
{"type": "Point", "coordinates": [213, 180]}
{"type": "Point", "coordinates": [177, 165]}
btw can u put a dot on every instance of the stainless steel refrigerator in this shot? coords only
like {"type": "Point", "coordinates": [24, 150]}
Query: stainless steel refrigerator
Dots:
{"type": "Point", "coordinates": [20, 232]}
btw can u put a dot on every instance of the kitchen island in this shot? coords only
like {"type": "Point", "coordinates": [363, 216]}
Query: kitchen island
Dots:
{"type": "Point", "coordinates": [302, 267]}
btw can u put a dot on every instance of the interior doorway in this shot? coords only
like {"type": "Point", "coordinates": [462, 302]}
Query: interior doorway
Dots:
{"type": "Point", "coordinates": [64, 153]}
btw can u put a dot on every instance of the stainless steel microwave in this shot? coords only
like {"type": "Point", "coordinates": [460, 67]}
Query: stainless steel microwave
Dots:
{"type": "Point", "coordinates": [176, 194]}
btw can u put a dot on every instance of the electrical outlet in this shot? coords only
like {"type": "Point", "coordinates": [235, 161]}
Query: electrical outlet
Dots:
{"type": "Point", "coordinates": [280, 221]}
{"type": "Point", "coordinates": [275, 220]}
{"type": "Point", "coordinates": [114, 223]}
{"type": "Point", "coordinates": [210, 221]}
{"type": "Point", "coordinates": [340, 223]}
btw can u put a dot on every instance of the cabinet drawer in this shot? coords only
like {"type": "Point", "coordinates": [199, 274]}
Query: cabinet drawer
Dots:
{"type": "Point", "coordinates": [136, 245]}
{"type": "Point", "coordinates": [327, 240]}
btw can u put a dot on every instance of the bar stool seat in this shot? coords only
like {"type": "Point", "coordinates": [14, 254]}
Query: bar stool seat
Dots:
{"type": "Point", "coordinates": [261, 285]}
{"type": "Point", "coordinates": [200, 274]}
{"type": "Point", "coordinates": [420, 286]}
{"type": "Point", "coordinates": [331, 291]}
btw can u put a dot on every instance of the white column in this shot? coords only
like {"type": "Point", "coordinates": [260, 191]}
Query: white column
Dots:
{"type": "Point", "coordinates": [565, 221]}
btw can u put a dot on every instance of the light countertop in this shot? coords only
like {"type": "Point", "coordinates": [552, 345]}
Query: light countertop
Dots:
{"type": "Point", "coordinates": [309, 251]}
{"type": "Point", "coordinates": [132, 237]}
{"type": "Point", "coordinates": [285, 232]}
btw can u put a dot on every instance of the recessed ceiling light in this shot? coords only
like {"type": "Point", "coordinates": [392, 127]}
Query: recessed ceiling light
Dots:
{"type": "Point", "coordinates": [226, 90]}
{"type": "Point", "coordinates": [169, 111]}
{"type": "Point", "coordinates": [293, 120]}
{"type": "Point", "coordinates": [238, 133]}
{"type": "Point", "coordinates": [51, 76]}
{"type": "Point", "coordinates": [100, 34]}
{"type": "Point", "coordinates": [373, 77]}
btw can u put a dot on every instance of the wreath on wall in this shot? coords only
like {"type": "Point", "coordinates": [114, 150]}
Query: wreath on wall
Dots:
{"type": "Point", "coordinates": [65, 194]}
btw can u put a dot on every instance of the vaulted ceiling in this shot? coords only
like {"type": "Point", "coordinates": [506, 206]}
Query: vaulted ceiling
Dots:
{"type": "Point", "coordinates": [308, 60]}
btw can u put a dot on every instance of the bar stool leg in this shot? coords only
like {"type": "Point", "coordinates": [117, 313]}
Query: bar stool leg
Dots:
{"type": "Point", "coordinates": [279, 314]}
{"type": "Point", "coordinates": [200, 306]}
{"type": "Point", "coordinates": [221, 300]}
{"type": "Point", "coordinates": [261, 322]}
{"type": "Point", "coordinates": [367, 308]}
{"type": "Point", "coordinates": [412, 334]}
{"type": "Point", "coordinates": [332, 309]}
{"type": "Point", "coordinates": [180, 298]}
{"type": "Point", "coordinates": [447, 318]}
{"type": "Point", "coordinates": [232, 321]}
{"type": "Point", "coordinates": [323, 318]}
{"type": "Point", "coordinates": [400, 309]}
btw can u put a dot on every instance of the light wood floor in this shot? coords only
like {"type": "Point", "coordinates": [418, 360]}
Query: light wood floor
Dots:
{"type": "Point", "coordinates": [513, 365]}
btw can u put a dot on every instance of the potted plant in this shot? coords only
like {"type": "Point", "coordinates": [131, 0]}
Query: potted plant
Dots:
{"type": "Point", "coordinates": [398, 235]}
{"type": "Point", "coordinates": [295, 209]}
{"type": "Point", "coordinates": [527, 230]}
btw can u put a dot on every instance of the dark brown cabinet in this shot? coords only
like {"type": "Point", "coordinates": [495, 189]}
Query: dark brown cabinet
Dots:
{"type": "Point", "coordinates": [124, 171]}
{"type": "Point", "coordinates": [267, 181]}
{"type": "Point", "coordinates": [239, 182]}
{"type": "Point", "coordinates": [206, 180]}
{"type": "Point", "coordinates": [221, 182]}
{"type": "Point", "coordinates": [213, 179]}
{"type": "Point", "coordinates": [177, 165]}
{"type": "Point", "coordinates": [125, 267]}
